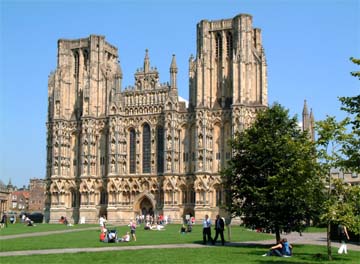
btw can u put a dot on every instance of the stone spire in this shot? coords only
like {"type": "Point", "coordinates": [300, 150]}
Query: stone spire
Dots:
{"type": "Point", "coordinates": [312, 125]}
{"type": "Point", "coordinates": [173, 72]}
{"type": "Point", "coordinates": [146, 61]}
{"type": "Point", "coordinates": [305, 117]}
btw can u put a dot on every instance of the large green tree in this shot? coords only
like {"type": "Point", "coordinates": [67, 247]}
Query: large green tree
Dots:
{"type": "Point", "coordinates": [351, 148]}
{"type": "Point", "coordinates": [271, 179]}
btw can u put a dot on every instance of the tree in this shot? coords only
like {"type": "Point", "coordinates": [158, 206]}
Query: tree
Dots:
{"type": "Point", "coordinates": [271, 179]}
{"type": "Point", "coordinates": [339, 146]}
{"type": "Point", "coordinates": [351, 148]}
{"type": "Point", "coordinates": [331, 136]}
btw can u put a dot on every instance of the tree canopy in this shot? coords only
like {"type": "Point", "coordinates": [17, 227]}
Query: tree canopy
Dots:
{"type": "Point", "coordinates": [271, 178]}
{"type": "Point", "coordinates": [351, 148]}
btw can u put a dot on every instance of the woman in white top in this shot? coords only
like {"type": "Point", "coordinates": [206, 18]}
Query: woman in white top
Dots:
{"type": "Point", "coordinates": [102, 222]}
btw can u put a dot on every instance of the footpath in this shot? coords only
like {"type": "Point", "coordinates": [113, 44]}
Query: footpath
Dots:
{"type": "Point", "coordinates": [293, 238]}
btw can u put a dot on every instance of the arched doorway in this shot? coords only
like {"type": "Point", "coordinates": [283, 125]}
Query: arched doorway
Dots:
{"type": "Point", "coordinates": [146, 206]}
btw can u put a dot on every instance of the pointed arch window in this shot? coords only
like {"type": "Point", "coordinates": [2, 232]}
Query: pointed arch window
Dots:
{"type": "Point", "coordinates": [218, 46]}
{"type": "Point", "coordinates": [219, 197]}
{"type": "Point", "coordinates": [76, 65]}
{"type": "Point", "coordinates": [160, 149]}
{"type": "Point", "coordinates": [86, 59]}
{"type": "Point", "coordinates": [146, 148]}
{"type": "Point", "coordinates": [132, 151]}
{"type": "Point", "coordinates": [229, 45]}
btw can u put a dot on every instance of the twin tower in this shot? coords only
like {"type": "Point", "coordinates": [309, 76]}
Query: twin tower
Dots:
{"type": "Point", "coordinates": [140, 150]}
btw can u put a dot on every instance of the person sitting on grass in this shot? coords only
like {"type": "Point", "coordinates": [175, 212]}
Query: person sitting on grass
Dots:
{"type": "Point", "coordinates": [28, 222]}
{"type": "Point", "coordinates": [147, 226]}
{"type": "Point", "coordinates": [157, 227]}
{"type": "Point", "coordinates": [183, 229]}
{"type": "Point", "coordinates": [102, 236]}
{"type": "Point", "coordinates": [125, 238]}
{"type": "Point", "coordinates": [282, 249]}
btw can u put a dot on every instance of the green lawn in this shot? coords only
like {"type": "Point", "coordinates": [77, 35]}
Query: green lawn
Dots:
{"type": "Point", "coordinates": [19, 228]}
{"type": "Point", "coordinates": [213, 254]}
{"type": "Point", "coordinates": [90, 238]}
{"type": "Point", "coordinates": [217, 254]}
{"type": "Point", "coordinates": [313, 229]}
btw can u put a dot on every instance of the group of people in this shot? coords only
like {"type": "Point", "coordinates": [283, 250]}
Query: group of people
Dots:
{"type": "Point", "coordinates": [109, 236]}
{"type": "Point", "coordinates": [158, 227]}
{"type": "Point", "coordinates": [153, 219]}
{"type": "Point", "coordinates": [219, 230]}
{"type": "Point", "coordinates": [112, 237]}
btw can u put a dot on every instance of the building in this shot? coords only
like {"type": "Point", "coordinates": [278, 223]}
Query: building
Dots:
{"type": "Point", "coordinates": [140, 150]}
{"type": "Point", "coordinates": [4, 198]}
{"type": "Point", "coordinates": [37, 195]}
{"type": "Point", "coordinates": [352, 178]}
{"type": "Point", "coordinates": [20, 200]}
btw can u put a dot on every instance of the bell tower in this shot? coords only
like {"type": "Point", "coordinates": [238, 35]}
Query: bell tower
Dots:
{"type": "Point", "coordinates": [230, 66]}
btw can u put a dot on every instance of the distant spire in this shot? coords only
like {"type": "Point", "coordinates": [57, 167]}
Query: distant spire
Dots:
{"type": "Point", "coordinates": [305, 117]}
{"type": "Point", "coordinates": [173, 66]}
{"type": "Point", "coordinates": [311, 116]}
{"type": "Point", "coordinates": [305, 109]}
{"type": "Point", "coordinates": [173, 72]}
{"type": "Point", "coordinates": [312, 125]}
{"type": "Point", "coordinates": [146, 61]}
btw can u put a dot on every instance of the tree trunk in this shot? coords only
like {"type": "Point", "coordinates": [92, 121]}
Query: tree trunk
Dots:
{"type": "Point", "coordinates": [328, 232]}
{"type": "Point", "coordinates": [277, 233]}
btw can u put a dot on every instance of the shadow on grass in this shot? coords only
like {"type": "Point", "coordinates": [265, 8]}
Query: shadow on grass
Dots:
{"type": "Point", "coordinates": [302, 253]}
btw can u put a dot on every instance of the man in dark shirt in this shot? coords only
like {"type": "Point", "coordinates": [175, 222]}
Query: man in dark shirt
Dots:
{"type": "Point", "coordinates": [219, 229]}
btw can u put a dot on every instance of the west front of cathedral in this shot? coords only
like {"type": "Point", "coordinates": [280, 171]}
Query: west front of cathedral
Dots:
{"type": "Point", "coordinates": [140, 150]}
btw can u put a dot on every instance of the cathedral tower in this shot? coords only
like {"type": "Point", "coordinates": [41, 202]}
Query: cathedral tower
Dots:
{"type": "Point", "coordinates": [230, 66]}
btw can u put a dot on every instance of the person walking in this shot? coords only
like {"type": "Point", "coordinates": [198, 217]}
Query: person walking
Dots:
{"type": "Point", "coordinates": [343, 236]}
{"type": "Point", "coordinates": [219, 229]}
{"type": "Point", "coordinates": [207, 229]}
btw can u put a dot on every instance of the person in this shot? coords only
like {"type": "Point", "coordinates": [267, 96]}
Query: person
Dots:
{"type": "Point", "coordinates": [157, 227]}
{"type": "Point", "coordinates": [125, 238]}
{"type": "Point", "coordinates": [207, 229]}
{"type": "Point", "coordinates": [147, 226]}
{"type": "Point", "coordinates": [63, 220]}
{"type": "Point", "coordinates": [343, 237]}
{"type": "Point", "coordinates": [102, 236]}
{"type": "Point", "coordinates": [183, 229]}
{"type": "Point", "coordinates": [112, 236]}
{"type": "Point", "coordinates": [102, 221]}
{"type": "Point", "coordinates": [282, 249]}
{"type": "Point", "coordinates": [28, 221]}
{"type": "Point", "coordinates": [4, 221]}
{"type": "Point", "coordinates": [12, 219]}
{"type": "Point", "coordinates": [219, 229]}
{"type": "Point", "coordinates": [132, 226]}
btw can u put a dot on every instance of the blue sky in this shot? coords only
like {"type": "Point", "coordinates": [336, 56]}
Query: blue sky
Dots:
{"type": "Point", "coordinates": [307, 43]}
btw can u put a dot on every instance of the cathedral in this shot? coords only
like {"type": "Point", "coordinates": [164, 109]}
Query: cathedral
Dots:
{"type": "Point", "coordinates": [123, 152]}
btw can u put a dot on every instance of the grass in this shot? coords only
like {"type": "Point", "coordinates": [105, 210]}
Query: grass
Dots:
{"type": "Point", "coordinates": [19, 228]}
{"type": "Point", "coordinates": [90, 238]}
{"type": "Point", "coordinates": [313, 229]}
{"type": "Point", "coordinates": [217, 254]}
{"type": "Point", "coordinates": [213, 254]}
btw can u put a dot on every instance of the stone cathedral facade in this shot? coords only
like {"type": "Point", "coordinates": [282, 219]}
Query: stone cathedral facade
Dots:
{"type": "Point", "coordinates": [137, 150]}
